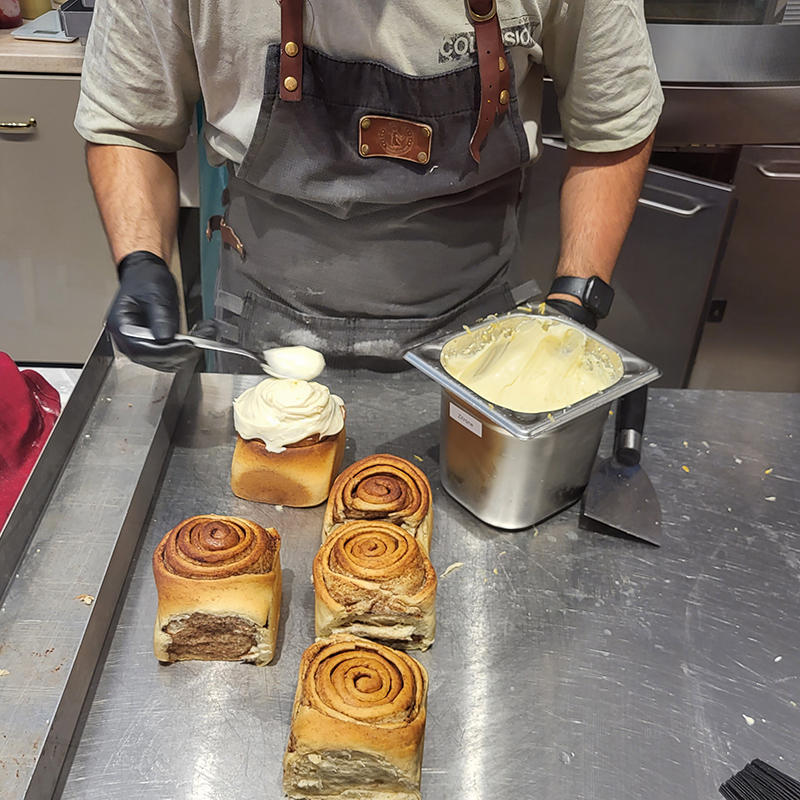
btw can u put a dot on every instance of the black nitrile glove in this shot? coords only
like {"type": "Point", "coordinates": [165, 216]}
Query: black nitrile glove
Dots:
{"type": "Point", "coordinates": [148, 297]}
{"type": "Point", "coordinates": [574, 311]}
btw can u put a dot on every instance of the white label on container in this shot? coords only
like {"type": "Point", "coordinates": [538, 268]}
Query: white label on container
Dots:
{"type": "Point", "coordinates": [467, 420]}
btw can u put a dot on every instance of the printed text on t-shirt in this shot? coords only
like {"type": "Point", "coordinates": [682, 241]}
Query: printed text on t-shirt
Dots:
{"type": "Point", "coordinates": [462, 45]}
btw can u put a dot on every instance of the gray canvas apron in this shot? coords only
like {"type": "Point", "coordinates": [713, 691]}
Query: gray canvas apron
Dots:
{"type": "Point", "coordinates": [359, 257]}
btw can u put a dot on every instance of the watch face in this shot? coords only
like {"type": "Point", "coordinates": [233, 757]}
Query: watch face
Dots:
{"type": "Point", "coordinates": [598, 296]}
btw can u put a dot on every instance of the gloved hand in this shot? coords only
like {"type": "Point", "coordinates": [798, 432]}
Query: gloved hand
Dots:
{"type": "Point", "coordinates": [148, 297]}
{"type": "Point", "coordinates": [574, 311]}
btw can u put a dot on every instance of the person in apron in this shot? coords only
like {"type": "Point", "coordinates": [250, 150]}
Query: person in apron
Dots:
{"type": "Point", "coordinates": [372, 209]}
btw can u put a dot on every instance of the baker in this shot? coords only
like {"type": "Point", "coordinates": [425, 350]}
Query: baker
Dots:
{"type": "Point", "coordinates": [375, 152]}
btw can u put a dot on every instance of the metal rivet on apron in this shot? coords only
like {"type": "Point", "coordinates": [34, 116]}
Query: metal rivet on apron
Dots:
{"type": "Point", "coordinates": [290, 83]}
{"type": "Point", "coordinates": [365, 123]}
{"type": "Point", "coordinates": [364, 150]}
{"type": "Point", "coordinates": [504, 97]}
{"type": "Point", "coordinates": [291, 49]}
{"type": "Point", "coordinates": [422, 158]}
{"type": "Point", "coordinates": [502, 63]}
{"type": "Point", "coordinates": [427, 132]}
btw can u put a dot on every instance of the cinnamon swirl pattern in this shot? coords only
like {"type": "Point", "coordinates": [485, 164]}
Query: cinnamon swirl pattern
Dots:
{"type": "Point", "coordinates": [372, 579]}
{"type": "Point", "coordinates": [358, 722]}
{"type": "Point", "coordinates": [219, 591]}
{"type": "Point", "coordinates": [382, 487]}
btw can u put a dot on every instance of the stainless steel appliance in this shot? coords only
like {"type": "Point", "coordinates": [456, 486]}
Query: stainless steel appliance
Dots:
{"type": "Point", "coordinates": [728, 84]}
{"type": "Point", "coordinates": [667, 267]}
{"type": "Point", "coordinates": [756, 344]}
{"type": "Point", "coordinates": [731, 77]}
{"type": "Point", "coordinates": [743, 12]}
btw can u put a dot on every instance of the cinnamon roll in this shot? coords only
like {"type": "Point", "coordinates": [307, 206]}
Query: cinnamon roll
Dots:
{"type": "Point", "coordinates": [382, 487]}
{"type": "Point", "coordinates": [219, 591]}
{"type": "Point", "coordinates": [372, 579]}
{"type": "Point", "coordinates": [290, 442]}
{"type": "Point", "coordinates": [358, 723]}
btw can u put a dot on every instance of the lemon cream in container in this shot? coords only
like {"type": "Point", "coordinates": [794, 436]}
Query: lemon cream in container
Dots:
{"type": "Point", "coordinates": [531, 365]}
{"type": "Point", "coordinates": [290, 439]}
{"type": "Point", "coordinates": [524, 399]}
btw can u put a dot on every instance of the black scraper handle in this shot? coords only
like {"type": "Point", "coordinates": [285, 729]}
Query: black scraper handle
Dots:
{"type": "Point", "coordinates": [630, 424]}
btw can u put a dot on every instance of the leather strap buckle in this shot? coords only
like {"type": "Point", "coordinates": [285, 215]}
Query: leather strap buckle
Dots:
{"type": "Point", "coordinates": [481, 17]}
{"type": "Point", "coordinates": [493, 68]}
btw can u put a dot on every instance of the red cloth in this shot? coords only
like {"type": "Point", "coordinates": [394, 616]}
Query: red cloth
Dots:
{"type": "Point", "coordinates": [29, 407]}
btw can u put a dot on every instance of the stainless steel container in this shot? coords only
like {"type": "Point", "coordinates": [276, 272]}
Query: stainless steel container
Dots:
{"type": "Point", "coordinates": [510, 469]}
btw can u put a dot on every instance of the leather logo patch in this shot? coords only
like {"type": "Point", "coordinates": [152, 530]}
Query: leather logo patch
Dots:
{"type": "Point", "coordinates": [394, 138]}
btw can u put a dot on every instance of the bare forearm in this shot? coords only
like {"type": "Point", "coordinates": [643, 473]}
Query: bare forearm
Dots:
{"type": "Point", "coordinates": [137, 194]}
{"type": "Point", "coordinates": [598, 199]}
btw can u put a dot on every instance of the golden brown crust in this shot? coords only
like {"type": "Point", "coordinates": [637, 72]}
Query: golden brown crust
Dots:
{"type": "Point", "coordinates": [372, 578]}
{"type": "Point", "coordinates": [210, 568]}
{"type": "Point", "coordinates": [363, 699]}
{"type": "Point", "coordinates": [384, 487]}
{"type": "Point", "coordinates": [208, 546]}
{"type": "Point", "coordinates": [300, 476]}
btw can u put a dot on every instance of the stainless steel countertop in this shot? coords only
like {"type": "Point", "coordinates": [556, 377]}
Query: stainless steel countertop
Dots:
{"type": "Point", "coordinates": [567, 664]}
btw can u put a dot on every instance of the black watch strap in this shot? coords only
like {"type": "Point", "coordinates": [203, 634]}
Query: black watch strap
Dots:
{"type": "Point", "coordinates": [594, 293]}
{"type": "Point", "coordinates": [574, 311]}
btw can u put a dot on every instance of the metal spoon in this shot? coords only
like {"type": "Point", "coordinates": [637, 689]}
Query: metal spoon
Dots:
{"type": "Point", "coordinates": [297, 363]}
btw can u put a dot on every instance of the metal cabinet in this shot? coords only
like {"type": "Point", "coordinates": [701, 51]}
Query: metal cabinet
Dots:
{"type": "Point", "coordinates": [57, 275]}
{"type": "Point", "coordinates": [756, 345]}
{"type": "Point", "coordinates": [742, 12]}
{"type": "Point", "coordinates": [667, 266]}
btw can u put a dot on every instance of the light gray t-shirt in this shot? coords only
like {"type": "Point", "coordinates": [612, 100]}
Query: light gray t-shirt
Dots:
{"type": "Point", "coordinates": [149, 61]}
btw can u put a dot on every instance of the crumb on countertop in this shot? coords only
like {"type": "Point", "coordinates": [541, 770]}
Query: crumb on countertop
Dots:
{"type": "Point", "coordinates": [452, 568]}
{"type": "Point", "coordinates": [85, 598]}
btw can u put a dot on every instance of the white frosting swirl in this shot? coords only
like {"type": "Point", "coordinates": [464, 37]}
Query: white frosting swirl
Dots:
{"type": "Point", "coordinates": [282, 412]}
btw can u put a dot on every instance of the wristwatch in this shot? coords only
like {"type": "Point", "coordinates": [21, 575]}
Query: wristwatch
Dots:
{"type": "Point", "coordinates": [594, 293]}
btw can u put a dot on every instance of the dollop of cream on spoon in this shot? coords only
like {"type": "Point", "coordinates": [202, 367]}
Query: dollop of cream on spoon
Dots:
{"type": "Point", "coordinates": [299, 363]}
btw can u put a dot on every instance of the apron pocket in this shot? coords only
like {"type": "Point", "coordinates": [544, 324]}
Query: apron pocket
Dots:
{"type": "Point", "coordinates": [374, 343]}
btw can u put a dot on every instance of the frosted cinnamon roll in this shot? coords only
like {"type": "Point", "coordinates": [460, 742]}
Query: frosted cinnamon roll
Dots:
{"type": "Point", "coordinates": [358, 723]}
{"type": "Point", "coordinates": [219, 591]}
{"type": "Point", "coordinates": [372, 579]}
{"type": "Point", "coordinates": [382, 487]}
{"type": "Point", "coordinates": [290, 442]}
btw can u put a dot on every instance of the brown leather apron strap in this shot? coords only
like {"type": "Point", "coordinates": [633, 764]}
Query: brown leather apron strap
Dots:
{"type": "Point", "coordinates": [291, 77]}
{"type": "Point", "coordinates": [229, 237]}
{"type": "Point", "coordinates": [493, 67]}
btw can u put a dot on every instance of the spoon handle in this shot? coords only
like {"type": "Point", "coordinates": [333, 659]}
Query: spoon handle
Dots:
{"type": "Point", "coordinates": [138, 332]}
